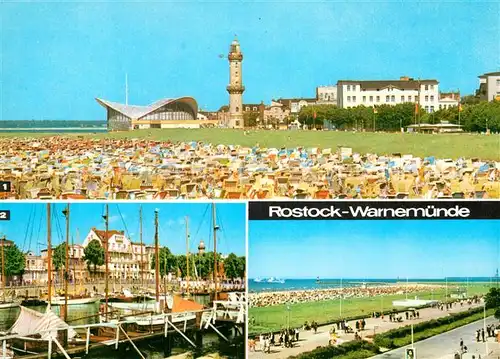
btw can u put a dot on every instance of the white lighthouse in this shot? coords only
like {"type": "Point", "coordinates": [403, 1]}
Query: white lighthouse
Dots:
{"type": "Point", "coordinates": [235, 87]}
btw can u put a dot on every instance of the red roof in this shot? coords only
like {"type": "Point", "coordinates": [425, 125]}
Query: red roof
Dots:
{"type": "Point", "coordinates": [102, 234]}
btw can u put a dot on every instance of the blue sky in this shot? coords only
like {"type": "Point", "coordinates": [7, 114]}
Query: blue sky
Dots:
{"type": "Point", "coordinates": [28, 229]}
{"type": "Point", "coordinates": [58, 56]}
{"type": "Point", "coordinates": [374, 249]}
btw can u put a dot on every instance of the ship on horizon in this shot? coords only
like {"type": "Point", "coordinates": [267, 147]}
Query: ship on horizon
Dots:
{"type": "Point", "coordinates": [269, 280]}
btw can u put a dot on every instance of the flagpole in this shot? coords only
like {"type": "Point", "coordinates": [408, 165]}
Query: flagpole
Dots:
{"type": "Point", "coordinates": [459, 106]}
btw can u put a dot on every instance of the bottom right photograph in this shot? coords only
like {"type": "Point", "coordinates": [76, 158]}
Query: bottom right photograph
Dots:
{"type": "Point", "coordinates": [382, 288]}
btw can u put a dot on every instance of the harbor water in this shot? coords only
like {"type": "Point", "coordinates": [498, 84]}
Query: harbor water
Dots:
{"type": "Point", "coordinates": [151, 349]}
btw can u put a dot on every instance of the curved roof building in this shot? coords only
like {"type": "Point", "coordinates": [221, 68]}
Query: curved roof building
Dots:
{"type": "Point", "coordinates": [165, 113]}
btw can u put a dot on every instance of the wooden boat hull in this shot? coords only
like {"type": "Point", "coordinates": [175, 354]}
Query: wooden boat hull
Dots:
{"type": "Point", "coordinates": [76, 301]}
{"type": "Point", "coordinates": [8, 305]}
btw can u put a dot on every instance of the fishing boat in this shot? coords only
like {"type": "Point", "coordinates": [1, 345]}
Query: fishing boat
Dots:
{"type": "Point", "coordinates": [259, 280]}
{"type": "Point", "coordinates": [126, 296]}
{"type": "Point", "coordinates": [276, 280]}
{"type": "Point", "coordinates": [7, 305]}
{"type": "Point", "coordinates": [34, 329]}
{"type": "Point", "coordinates": [74, 301]}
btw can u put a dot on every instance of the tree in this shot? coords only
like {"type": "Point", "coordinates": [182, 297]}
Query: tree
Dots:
{"type": "Point", "coordinates": [250, 119]}
{"type": "Point", "coordinates": [204, 264]}
{"type": "Point", "coordinates": [93, 254]}
{"type": "Point", "coordinates": [231, 266]}
{"type": "Point", "coordinates": [242, 266]}
{"type": "Point", "coordinates": [234, 266]}
{"type": "Point", "coordinates": [59, 256]}
{"type": "Point", "coordinates": [492, 299]}
{"type": "Point", "coordinates": [14, 261]}
{"type": "Point", "coordinates": [470, 100]}
{"type": "Point", "coordinates": [168, 261]}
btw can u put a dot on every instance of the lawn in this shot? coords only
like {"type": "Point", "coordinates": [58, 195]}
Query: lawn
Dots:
{"type": "Point", "coordinates": [265, 319]}
{"type": "Point", "coordinates": [439, 145]}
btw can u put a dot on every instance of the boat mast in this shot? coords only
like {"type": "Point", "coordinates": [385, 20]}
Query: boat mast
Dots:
{"type": "Point", "coordinates": [3, 269]}
{"type": "Point", "coordinates": [165, 277]}
{"type": "Point", "coordinates": [187, 255]}
{"type": "Point", "coordinates": [215, 227]}
{"type": "Point", "coordinates": [66, 265]}
{"type": "Point", "coordinates": [49, 255]}
{"type": "Point", "coordinates": [106, 261]}
{"type": "Point", "coordinates": [142, 245]}
{"type": "Point", "coordinates": [74, 259]}
{"type": "Point", "coordinates": [157, 259]}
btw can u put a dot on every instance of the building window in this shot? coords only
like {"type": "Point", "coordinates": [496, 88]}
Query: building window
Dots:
{"type": "Point", "coordinates": [402, 99]}
{"type": "Point", "coordinates": [426, 98]}
{"type": "Point", "coordinates": [237, 122]}
{"type": "Point", "coordinates": [409, 98]}
{"type": "Point", "coordinates": [432, 98]}
{"type": "Point", "coordinates": [348, 87]}
{"type": "Point", "coordinates": [432, 87]}
{"type": "Point", "coordinates": [426, 87]}
{"type": "Point", "coordinates": [255, 108]}
{"type": "Point", "coordinates": [371, 98]}
{"type": "Point", "coordinates": [378, 98]}
{"type": "Point", "coordinates": [387, 98]}
{"type": "Point", "coordinates": [393, 98]}
{"type": "Point", "coordinates": [247, 108]}
{"type": "Point", "coordinates": [354, 99]}
{"type": "Point", "coordinates": [427, 108]}
{"type": "Point", "coordinates": [348, 98]}
{"type": "Point", "coordinates": [364, 98]}
{"type": "Point", "coordinates": [432, 108]}
{"type": "Point", "coordinates": [237, 109]}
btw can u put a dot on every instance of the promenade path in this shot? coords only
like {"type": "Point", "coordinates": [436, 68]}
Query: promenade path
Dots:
{"type": "Point", "coordinates": [444, 346]}
{"type": "Point", "coordinates": [309, 341]}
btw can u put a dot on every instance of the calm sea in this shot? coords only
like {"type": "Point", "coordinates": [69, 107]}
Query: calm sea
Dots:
{"type": "Point", "coordinates": [47, 126]}
{"type": "Point", "coordinates": [298, 284]}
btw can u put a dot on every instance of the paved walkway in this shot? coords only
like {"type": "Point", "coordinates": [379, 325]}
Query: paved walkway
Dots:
{"type": "Point", "coordinates": [445, 345]}
{"type": "Point", "coordinates": [309, 341]}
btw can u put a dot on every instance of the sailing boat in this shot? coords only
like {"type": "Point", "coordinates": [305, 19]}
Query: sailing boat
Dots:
{"type": "Point", "coordinates": [181, 309]}
{"type": "Point", "coordinates": [36, 325]}
{"type": "Point", "coordinates": [71, 299]}
{"type": "Point", "coordinates": [4, 304]}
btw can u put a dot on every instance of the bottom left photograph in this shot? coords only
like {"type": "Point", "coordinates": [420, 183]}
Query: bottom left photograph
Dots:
{"type": "Point", "coordinates": [122, 280]}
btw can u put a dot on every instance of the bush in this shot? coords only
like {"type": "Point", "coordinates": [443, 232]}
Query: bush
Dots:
{"type": "Point", "coordinates": [393, 338]}
{"type": "Point", "coordinates": [360, 347]}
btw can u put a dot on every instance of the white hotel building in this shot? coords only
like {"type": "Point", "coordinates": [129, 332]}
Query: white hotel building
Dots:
{"type": "Point", "coordinates": [124, 255]}
{"type": "Point", "coordinates": [352, 93]}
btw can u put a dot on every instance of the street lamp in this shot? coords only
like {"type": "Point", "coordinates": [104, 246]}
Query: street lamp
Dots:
{"type": "Point", "coordinates": [484, 327]}
{"type": "Point", "coordinates": [288, 316]}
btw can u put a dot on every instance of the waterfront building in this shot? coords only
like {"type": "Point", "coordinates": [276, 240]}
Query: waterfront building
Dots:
{"type": "Point", "coordinates": [295, 104]}
{"type": "Point", "coordinates": [448, 100]}
{"type": "Point", "coordinates": [166, 113]}
{"type": "Point", "coordinates": [124, 255]}
{"type": "Point", "coordinates": [352, 93]}
{"type": "Point", "coordinates": [489, 86]}
{"type": "Point", "coordinates": [326, 95]}
{"type": "Point", "coordinates": [34, 269]}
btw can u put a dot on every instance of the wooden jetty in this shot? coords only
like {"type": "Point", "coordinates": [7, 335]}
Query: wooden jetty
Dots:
{"type": "Point", "coordinates": [221, 316]}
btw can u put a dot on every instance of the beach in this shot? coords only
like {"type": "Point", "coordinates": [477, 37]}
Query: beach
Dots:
{"type": "Point", "coordinates": [80, 167]}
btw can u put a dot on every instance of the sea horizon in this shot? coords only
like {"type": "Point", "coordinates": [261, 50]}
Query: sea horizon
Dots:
{"type": "Point", "coordinates": [325, 283]}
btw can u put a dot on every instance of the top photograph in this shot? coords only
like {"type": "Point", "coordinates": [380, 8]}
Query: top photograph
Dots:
{"type": "Point", "coordinates": [200, 100]}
